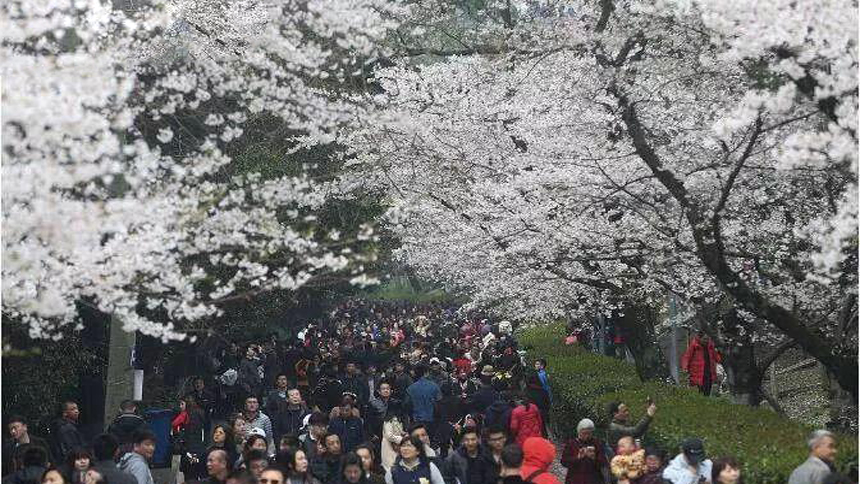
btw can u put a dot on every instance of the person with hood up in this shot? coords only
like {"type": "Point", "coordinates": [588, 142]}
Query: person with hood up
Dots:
{"type": "Point", "coordinates": [700, 362]}
{"type": "Point", "coordinates": [690, 466]}
{"type": "Point", "coordinates": [526, 421]}
{"type": "Point", "coordinates": [538, 454]}
{"type": "Point", "coordinates": [136, 462]}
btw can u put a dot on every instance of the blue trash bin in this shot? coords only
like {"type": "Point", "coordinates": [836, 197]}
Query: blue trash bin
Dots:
{"type": "Point", "coordinates": [159, 422]}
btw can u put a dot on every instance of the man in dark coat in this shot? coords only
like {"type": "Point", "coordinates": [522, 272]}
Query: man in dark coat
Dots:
{"type": "Point", "coordinates": [34, 461]}
{"type": "Point", "coordinates": [287, 415]}
{"type": "Point", "coordinates": [470, 464]}
{"type": "Point", "coordinates": [127, 423]}
{"type": "Point", "coordinates": [66, 436]}
{"type": "Point", "coordinates": [204, 396]}
{"type": "Point", "coordinates": [355, 383]}
{"type": "Point", "coordinates": [22, 439]}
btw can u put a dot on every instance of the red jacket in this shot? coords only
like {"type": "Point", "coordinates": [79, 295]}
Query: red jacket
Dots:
{"type": "Point", "coordinates": [463, 365]}
{"type": "Point", "coordinates": [585, 470]}
{"type": "Point", "coordinates": [179, 422]}
{"type": "Point", "coordinates": [693, 361]}
{"type": "Point", "coordinates": [538, 454]}
{"type": "Point", "coordinates": [526, 422]}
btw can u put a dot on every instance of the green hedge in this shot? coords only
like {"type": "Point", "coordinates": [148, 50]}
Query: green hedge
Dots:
{"type": "Point", "coordinates": [584, 383]}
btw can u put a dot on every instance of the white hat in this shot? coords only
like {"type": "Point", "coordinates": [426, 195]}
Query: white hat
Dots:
{"type": "Point", "coordinates": [584, 424]}
{"type": "Point", "coordinates": [257, 431]}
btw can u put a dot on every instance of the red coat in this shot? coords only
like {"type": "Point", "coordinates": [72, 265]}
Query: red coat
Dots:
{"type": "Point", "coordinates": [693, 361]}
{"type": "Point", "coordinates": [538, 454]}
{"type": "Point", "coordinates": [526, 422]}
{"type": "Point", "coordinates": [585, 470]}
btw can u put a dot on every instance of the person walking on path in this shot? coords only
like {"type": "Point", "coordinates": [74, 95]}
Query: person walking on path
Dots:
{"type": "Point", "coordinates": [22, 439]}
{"type": "Point", "coordinates": [526, 421]}
{"type": "Point", "coordinates": [422, 396]}
{"type": "Point", "coordinates": [66, 434]}
{"type": "Point", "coordinates": [691, 466]}
{"type": "Point", "coordinates": [257, 419]}
{"type": "Point", "coordinates": [822, 453]}
{"type": "Point", "coordinates": [584, 456]}
{"type": "Point", "coordinates": [136, 462]}
{"type": "Point", "coordinates": [512, 461]}
{"type": "Point", "coordinates": [541, 392]}
{"type": "Point", "coordinates": [726, 470]}
{"type": "Point", "coordinates": [127, 422]}
{"type": "Point", "coordinates": [700, 362]}
{"type": "Point", "coordinates": [105, 451]}
{"type": "Point", "coordinates": [413, 466]}
{"type": "Point", "coordinates": [538, 454]}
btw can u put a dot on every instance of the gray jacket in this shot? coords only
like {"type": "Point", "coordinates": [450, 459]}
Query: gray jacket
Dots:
{"type": "Point", "coordinates": [813, 471]}
{"type": "Point", "coordinates": [618, 430]}
{"type": "Point", "coordinates": [136, 465]}
{"type": "Point", "coordinates": [112, 474]}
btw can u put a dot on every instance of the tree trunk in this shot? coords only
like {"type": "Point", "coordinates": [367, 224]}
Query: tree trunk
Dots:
{"type": "Point", "coordinates": [745, 379]}
{"type": "Point", "coordinates": [843, 408]}
{"type": "Point", "coordinates": [637, 327]}
{"type": "Point", "coordinates": [120, 373]}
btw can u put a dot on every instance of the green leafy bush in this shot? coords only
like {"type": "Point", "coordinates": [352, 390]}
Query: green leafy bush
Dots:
{"type": "Point", "coordinates": [768, 445]}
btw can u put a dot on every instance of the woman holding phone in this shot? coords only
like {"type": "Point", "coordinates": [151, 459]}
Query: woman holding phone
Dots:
{"type": "Point", "coordinates": [584, 458]}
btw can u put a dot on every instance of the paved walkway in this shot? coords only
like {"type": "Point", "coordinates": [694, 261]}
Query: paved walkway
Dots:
{"type": "Point", "coordinates": [556, 469]}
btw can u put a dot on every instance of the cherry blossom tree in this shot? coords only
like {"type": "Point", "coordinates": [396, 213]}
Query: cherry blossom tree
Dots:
{"type": "Point", "coordinates": [546, 158]}
{"type": "Point", "coordinates": [111, 198]}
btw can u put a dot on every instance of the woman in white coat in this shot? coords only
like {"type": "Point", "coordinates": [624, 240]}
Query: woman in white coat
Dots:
{"type": "Point", "coordinates": [392, 434]}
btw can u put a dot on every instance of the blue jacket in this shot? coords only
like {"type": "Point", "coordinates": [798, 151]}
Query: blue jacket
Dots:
{"type": "Point", "coordinates": [544, 381]}
{"type": "Point", "coordinates": [422, 396]}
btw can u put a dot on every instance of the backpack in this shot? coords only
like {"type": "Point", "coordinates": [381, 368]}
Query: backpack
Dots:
{"type": "Point", "coordinates": [534, 474]}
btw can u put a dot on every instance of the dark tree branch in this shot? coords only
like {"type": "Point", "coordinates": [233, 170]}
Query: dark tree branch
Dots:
{"type": "Point", "coordinates": [606, 9]}
{"type": "Point", "coordinates": [711, 251]}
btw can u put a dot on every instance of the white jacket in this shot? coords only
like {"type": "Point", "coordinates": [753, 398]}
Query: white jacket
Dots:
{"type": "Point", "coordinates": [679, 472]}
{"type": "Point", "coordinates": [392, 433]}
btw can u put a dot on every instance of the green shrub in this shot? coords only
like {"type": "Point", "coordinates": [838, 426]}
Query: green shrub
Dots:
{"type": "Point", "coordinates": [769, 446]}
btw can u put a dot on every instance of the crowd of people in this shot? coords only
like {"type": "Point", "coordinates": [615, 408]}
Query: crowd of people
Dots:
{"type": "Point", "coordinates": [375, 393]}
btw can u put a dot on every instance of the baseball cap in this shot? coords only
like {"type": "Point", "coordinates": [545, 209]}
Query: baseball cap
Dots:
{"type": "Point", "coordinates": [694, 450]}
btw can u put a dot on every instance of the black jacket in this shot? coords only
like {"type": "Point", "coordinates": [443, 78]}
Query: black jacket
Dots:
{"type": "Point", "coordinates": [13, 453]}
{"type": "Point", "coordinates": [325, 468]}
{"type": "Point", "coordinates": [478, 470]}
{"type": "Point", "coordinates": [358, 385]}
{"type": "Point", "coordinates": [66, 438]}
{"type": "Point", "coordinates": [485, 397]}
{"type": "Point", "coordinates": [27, 475]}
{"type": "Point", "coordinates": [286, 420]}
{"type": "Point", "coordinates": [125, 425]}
